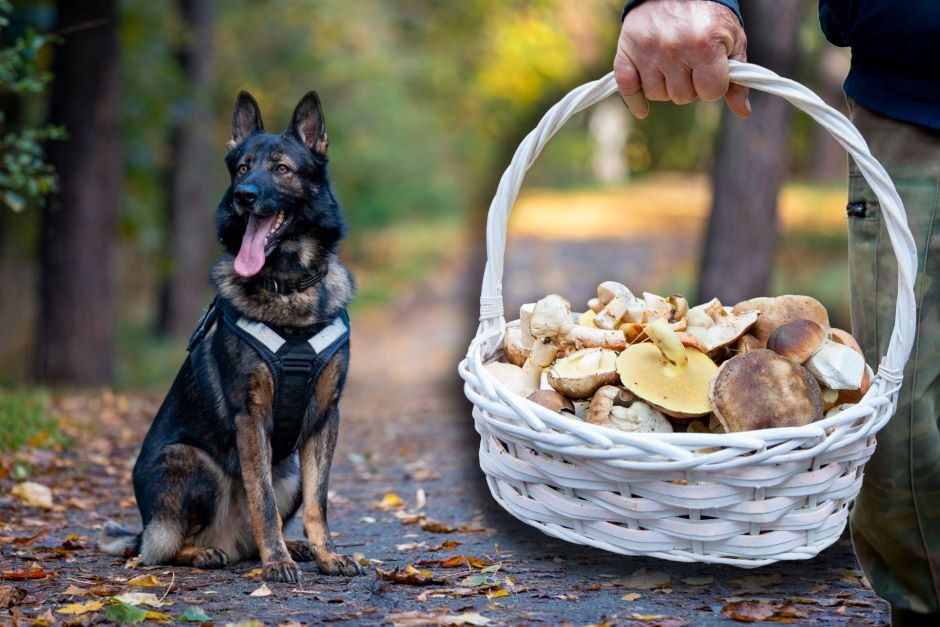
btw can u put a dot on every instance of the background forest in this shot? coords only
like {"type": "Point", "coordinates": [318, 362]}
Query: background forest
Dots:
{"type": "Point", "coordinates": [104, 252]}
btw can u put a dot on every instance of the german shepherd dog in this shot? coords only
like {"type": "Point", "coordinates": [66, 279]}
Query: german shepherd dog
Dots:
{"type": "Point", "coordinates": [208, 489]}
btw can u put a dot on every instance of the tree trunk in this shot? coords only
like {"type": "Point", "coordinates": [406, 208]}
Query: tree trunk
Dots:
{"type": "Point", "coordinates": [751, 162]}
{"type": "Point", "coordinates": [76, 313]}
{"type": "Point", "coordinates": [188, 210]}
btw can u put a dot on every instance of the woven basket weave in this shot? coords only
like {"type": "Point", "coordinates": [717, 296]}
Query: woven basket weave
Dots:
{"type": "Point", "coordinates": [745, 499]}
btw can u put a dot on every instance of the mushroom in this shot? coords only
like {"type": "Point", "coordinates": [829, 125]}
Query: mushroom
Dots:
{"type": "Point", "coordinates": [582, 372]}
{"type": "Point", "coordinates": [778, 310]}
{"type": "Point", "coordinates": [552, 400]}
{"type": "Point", "coordinates": [527, 379]}
{"type": "Point", "coordinates": [639, 418]}
{"type": "Point", "coordinates": [760, 389]}
{"type": "Point", "coordinates": [516, 351]}
{"type": "Point", "coordinates": [747, 342]}
{"type": "Point", "coordinates": [715, 327]}
{"type": "Point", "coordinates": [797, 340]}
{"type": "Point", "coordinates": [619, 304]}
{"type": "Point", "coordinates": [551, 319]}
{"type": "Point", "coordinates": [851, 396]}
{"type": "Point", "coordinates": [525, 314]}
{"type": "Point", "coordinates": [587, 319]}
{"type": "Point", "coordinates": [669, 376]}
{"type": "Point", "coordinates": [595, 305]}
{"type": "Point", "coordinates": [680, 307]}
{"type": "Point", "coordinates": [835, 365]}
{"type": "Point", "coordinates": [605, 398]}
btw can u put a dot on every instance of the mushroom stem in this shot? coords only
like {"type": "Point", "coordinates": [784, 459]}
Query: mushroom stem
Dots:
{"type": "Point", "coordinates": [668, 343]}
{"type": "Point", "coordinates": [541, 356]}
{"type": "Point", "coordinates": [551, 319]}
{"type": "Point", "coordinates": [603, 401]}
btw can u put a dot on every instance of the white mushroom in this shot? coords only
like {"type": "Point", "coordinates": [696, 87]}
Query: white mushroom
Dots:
{"type": "Point", "coordinates": [640, 418]}
{"type": "Point", "coordinates": [837, 366]}
{"type": "Point", "coordinates": [516, 351]}
{"type": "Point", "coordinates": [619, 304]}
{"type": "Point", "coordinates": [551, 319]}
{"type": "Point", "coordinates": [525, 314]}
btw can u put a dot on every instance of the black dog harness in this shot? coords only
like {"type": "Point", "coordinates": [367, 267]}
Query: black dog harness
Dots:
{"type": "Point", "coordinates": [296, 364]}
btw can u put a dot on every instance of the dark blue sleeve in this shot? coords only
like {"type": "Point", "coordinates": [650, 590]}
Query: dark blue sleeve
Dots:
{"type": "Point", "coordinates": [731, 4]}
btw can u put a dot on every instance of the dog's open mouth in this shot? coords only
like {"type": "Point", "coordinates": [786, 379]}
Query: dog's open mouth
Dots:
{"type": "Point", "coordinates": [260, 236]}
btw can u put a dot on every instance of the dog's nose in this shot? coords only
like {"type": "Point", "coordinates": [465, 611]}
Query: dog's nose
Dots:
{"type": "Point", "coordinates": [246, 194]}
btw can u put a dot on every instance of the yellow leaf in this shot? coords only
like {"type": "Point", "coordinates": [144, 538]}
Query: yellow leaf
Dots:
{"type": "Point", "coordinates": [633, 596]}
{"type": "Point", "coordinates": [255, 572]}
{"type": "Point", "coordinates": [159, 616]}
{"type": "Point", "coordinates": [389, 502]}
{"type": "Point", "coordinates": [145, 581]}
{"type": "Point", "coordinates": [81, 608]}
{"type": "Point", "coordinates": [34, 494]}
{"type": "Point", "coordinates": [498, 594]}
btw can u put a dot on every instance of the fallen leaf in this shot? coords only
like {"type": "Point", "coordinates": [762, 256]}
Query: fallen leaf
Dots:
{"type": "Point", "coordinates": [255, 572]}
{"type": "Point", "coordinates": [33, 494]}
{"type": "Point", "coordinates": [457, 561]}
{"type": "Point", "coordinates": [160, 617]}
{"type": "Point", "coordinates": [45, 619]}
{"type": "Point", "coordinates": [77, 609]}
{"type": "Point", "coordinates": [411, 619]}
{"type": "Point", "coordinates": [748, 611]}
{"type": "Point", "coordinates": [140, 598]}
{"type": "Point", "coordinates": [756, 583]}
{"type": "Point", "coordinates": [30, 539]}
{"type": "Point", "coordinates": [446, 545]}
{"type": "Point", "coordinates": [409, 576]}
{"type": "Point", "coordinates": [195, 614]}
{"type": "Point", "coordinates": [498, 594]}
{"type": "Point", "coordinates": [642, 580]}
{"type": "Point", "coordinates": [633, 596]}
{"type": "Point", "coordinates": [10, 596]}
{"type": "Point", "coordinates": [389, 502]}
{"type": "Point", "coordinates": [144, 581]}
{"type": "Point", "coordinates": [435, 526]}
{"type": "Point", "coordinates": [33, 572]}
{"type": "Point", "coordinates": [262, 591]}
{"type": "Point", "coordinates": [421, 498]}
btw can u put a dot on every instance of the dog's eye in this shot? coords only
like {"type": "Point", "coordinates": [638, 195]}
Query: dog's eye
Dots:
{"type": "Point", "coordinates": [242, 168]}
{"type": "Point", "coordinates": [282, 169]}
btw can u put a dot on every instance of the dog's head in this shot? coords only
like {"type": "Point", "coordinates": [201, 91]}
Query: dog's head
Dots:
{"type": "Point", "coordinates": [280, 208]}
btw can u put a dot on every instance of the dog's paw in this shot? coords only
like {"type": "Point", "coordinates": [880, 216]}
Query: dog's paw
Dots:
{"type": "Point", "coordinates": [210, 557]}
{"type": "Point", "coordinates": [336, 564]}
{"type": "Point", "coordinates": [300, 551]}
{"type": "Point", "coordinates": [282, 571]}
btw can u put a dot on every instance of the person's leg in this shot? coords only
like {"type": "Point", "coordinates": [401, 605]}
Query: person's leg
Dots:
{"type": "Point", "coordinates": [896, 520]}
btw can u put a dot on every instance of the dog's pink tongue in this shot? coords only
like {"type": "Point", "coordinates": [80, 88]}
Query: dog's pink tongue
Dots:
{"type": "Point", "coordinates": [250, 258]}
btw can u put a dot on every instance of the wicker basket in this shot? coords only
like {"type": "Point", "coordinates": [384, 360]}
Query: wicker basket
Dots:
{"type": "Point", "coordinates": [749, 499]}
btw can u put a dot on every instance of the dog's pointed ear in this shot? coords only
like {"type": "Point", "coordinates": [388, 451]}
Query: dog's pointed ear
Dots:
{"type": "Point", "coordinates": [308, 125]}
{"type": "Point", "coordinates": [246, 119]}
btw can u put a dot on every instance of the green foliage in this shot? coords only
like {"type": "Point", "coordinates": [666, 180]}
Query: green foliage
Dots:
{"type": "Point", "coordinates": [24, 173]}
{"type": "Point", "coordinates": [26, 418]}
{"type": "Point", "coordinates": [124, 613]}
{"type": "Point", "coordinates": [195, 614]}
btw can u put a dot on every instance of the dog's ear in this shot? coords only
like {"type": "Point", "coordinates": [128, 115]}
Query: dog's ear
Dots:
{"type": "Point", "coordinates": [307, 123]}
{"type": "Point", "coordinates": [246, 119]}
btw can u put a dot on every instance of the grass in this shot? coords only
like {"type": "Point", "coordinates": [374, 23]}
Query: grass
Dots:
{"type": "Point", "coordinates": [27, 419]}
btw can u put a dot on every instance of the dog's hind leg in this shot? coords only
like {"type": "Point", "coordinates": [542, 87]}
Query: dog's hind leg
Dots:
{"type": "Point", "coordinates": [316, 455]}
{"type": "Point", "coordinates": [202, 557]}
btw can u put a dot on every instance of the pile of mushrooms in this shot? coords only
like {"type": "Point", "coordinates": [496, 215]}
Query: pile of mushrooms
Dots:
{"type": "Point", "coordinates": [653, 364]}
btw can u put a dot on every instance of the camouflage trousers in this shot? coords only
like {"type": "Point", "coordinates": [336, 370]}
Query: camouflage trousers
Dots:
{"type": "Point", "coordinates": [896, 520]}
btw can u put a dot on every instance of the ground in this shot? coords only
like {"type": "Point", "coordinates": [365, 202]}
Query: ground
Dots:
{"type": "Point", "coordinates": [406, 491]}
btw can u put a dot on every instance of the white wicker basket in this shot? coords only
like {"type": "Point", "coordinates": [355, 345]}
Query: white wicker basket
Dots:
{"type": "Point", "coordinates": [757, 497]}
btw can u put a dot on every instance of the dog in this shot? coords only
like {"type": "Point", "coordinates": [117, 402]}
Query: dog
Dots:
{"type": "Point", "coordinates": [245, 436]}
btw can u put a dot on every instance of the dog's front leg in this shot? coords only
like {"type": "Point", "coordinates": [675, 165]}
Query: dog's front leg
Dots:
{"type": "Point", "coordinates": [316, 454]}
{"type": "Point", "coordinates": [254, 453]}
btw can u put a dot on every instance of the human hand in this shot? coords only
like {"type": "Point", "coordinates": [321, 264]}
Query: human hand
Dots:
{"type": "Point", "coordinates": [678, 50]}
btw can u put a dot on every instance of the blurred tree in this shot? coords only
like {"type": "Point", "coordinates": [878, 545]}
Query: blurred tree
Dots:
{"type": "Point", "coordinates": [188, 206]}
{"type": "Point", "coordinates": [751, 162]}
{"type": "Point", "coordinates": [76, 320]}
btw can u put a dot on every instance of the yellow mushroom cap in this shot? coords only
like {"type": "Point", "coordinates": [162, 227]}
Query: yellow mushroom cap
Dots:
{"type": "Point", "coordinates": [679, 391]}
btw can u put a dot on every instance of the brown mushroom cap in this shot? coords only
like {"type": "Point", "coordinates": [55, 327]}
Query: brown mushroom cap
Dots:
{"type": "Point", "coordinates": [778, 310]}
{"type": "Point", "coordinates": [552, 400]}
{"type": "Point", "coordinates": [516, 351]}
{"type": "Point", "coordinates": [797, 340]}
{"type": "Point", "coordinates": [760, 389]}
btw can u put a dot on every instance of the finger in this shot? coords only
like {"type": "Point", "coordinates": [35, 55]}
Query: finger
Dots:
{"type": "Point", "coordinates": [737, 95]}
{"type": "Point", "coordinates": [710, 81]}
{"type": "Point", "coordinates": [679, 86]}
{"type": "Point", "coordinates": [654, 83]}
{"type": "Point", "coordinates": [628, 82]}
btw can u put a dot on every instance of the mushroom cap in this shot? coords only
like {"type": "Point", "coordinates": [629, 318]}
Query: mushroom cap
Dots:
{"type": "Point", "coordinates": [729, 328]}
{"type": "Point", "coordinates": [639, 418]}
{"type": "Point", "coordinates": [779, 310]}
{"type": "Point", "coordinates": [516, 351]}
{"type": "Point", "coordinates": [760, 389]}
{"type": "Point", "coordinates": [512, 377]}
{"type": "Point", "coordinates": [747, 342]}
{"type": "Point", "coordinates": [679, 391]}
{"type": "Point", "coordinates": [581, 373]}
{"type": "Point", "coordinates": [797, 340]}
{"type": "Point", "coordinates": [552, 314]}
{"type": "Point", "coordinates": [552, 400]}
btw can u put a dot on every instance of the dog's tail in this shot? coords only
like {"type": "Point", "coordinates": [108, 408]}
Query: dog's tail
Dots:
{"type": "Point", "coordinates": [116, 540]}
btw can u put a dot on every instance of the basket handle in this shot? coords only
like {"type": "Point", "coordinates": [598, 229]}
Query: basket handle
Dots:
{"type": "Point", "coordinates": [749, 75]}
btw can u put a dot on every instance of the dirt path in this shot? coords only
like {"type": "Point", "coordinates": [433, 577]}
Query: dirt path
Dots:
{"type": "Point", "coordinates": [406, 431]}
